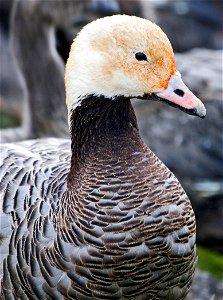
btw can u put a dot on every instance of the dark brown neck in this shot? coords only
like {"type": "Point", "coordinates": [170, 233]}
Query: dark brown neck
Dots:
{"type": "Point", "coordinates": [99, 123]}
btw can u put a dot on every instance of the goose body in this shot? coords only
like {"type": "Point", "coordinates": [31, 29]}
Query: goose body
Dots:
{"type": "Point", "coordinates": [106, 220]}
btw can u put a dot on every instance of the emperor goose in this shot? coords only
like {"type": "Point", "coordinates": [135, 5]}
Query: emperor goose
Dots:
{"type": "Point", "coordinates": [108, 220]}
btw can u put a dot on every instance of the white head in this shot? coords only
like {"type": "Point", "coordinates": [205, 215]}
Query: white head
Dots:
{"type": "Point", "coordinates": [125, 56]}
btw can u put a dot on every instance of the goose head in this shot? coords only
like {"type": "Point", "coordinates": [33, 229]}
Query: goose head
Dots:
{"type": "Point", "coordinates": [126, 56]}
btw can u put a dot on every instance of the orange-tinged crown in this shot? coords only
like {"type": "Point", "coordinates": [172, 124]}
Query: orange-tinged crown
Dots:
{"type": "Point", "coordinates": [102, 59]}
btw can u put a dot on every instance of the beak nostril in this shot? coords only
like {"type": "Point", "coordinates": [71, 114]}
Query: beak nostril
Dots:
{"type": "Point", "coordinates": [179, 92]}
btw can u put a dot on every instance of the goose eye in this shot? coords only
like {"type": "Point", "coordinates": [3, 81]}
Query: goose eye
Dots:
{"type": "Point", "coordinates": [140, 56]}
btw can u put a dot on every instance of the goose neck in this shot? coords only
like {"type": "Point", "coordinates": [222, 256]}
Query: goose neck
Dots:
{"type": "Point", "coordinates": [100, 126]}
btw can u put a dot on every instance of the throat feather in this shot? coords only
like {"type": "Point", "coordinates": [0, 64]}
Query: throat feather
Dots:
{"type": "Point", "coordinates": [99, 117]}
{"type": "Point", "coordinates": [100, 123]}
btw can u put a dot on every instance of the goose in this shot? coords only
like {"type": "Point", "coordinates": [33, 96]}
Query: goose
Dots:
{"type": "Point", "coordinates": [106, 219]}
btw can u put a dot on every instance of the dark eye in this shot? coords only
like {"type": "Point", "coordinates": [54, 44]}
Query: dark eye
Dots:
{"type": "Point", "coordinates": [140, 56]}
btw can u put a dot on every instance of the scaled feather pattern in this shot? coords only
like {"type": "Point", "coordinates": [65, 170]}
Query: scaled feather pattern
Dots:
{"type": "Point", "coordinates": [100, 217]}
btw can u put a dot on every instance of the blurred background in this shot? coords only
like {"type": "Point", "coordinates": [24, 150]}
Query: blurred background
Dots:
{"type": "Point", "coordinates": [35, 37]}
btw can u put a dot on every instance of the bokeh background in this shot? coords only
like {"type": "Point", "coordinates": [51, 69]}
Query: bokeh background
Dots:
{"type": "Point", "coordinates": [35, 37]}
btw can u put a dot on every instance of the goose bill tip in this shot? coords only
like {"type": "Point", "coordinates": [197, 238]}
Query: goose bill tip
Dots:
{"type": "Point", "coordinates": [178, 94]}
{"type": "Point", "coordinates": [200, 111]}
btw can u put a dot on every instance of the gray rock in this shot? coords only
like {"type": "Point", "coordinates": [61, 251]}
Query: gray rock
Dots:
{"type": "Point", "coordinates": [201, 69]}
{"type": "Point", "coordinates": [205, 287]}
{"type": "Point", "coordinates": [191, 24]}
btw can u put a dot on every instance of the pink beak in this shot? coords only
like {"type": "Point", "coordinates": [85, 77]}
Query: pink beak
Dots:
{"type": "Point", "coordinates": [178, 94]}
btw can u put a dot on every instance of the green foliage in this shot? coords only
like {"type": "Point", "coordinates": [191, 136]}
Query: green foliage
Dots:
{"type": "Point", "coordinates": [210, 261]}
{"type": "Point", "coordinates": [7, 120]}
